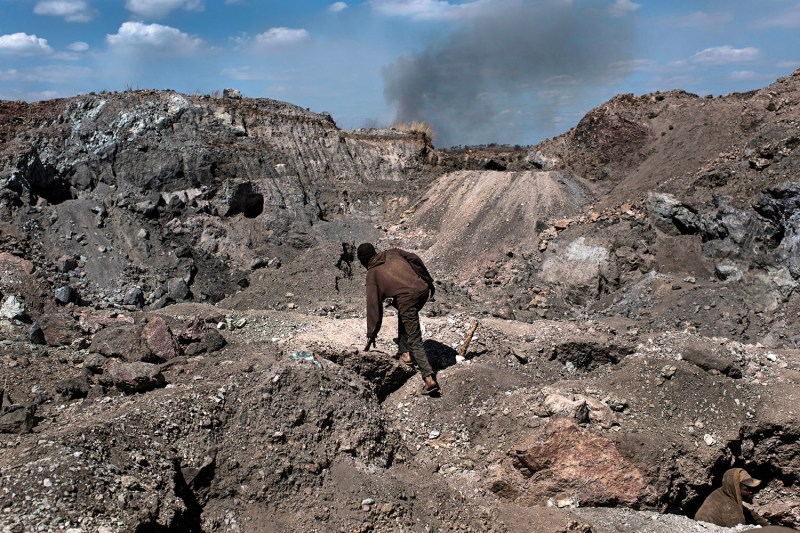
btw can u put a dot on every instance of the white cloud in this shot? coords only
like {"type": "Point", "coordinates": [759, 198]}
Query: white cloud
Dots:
{"type": "Point", "coordinates": [744, 75]}
{"type": "Point", "coordinates": [620, 8]}
{"type": "Point", "coordinates": [78, 46]}
{"type": "Point", "coordinates": [789, 19]}
{"type": "Point", "coordinates": [788, 64]}
{"type": "Point", "coordinates": [45, 74]}
{"type": "Point", "coordinates": [277, 37]}
{"type": "Point", "coordinates": [428, 9]}
{"type": "Point", "coordinates": [701, 19]}
{"type": "Point", "coordinates": [157, 9]}
{"type": "Point", "coordinates": [70, 10]}
{"type": "Point", "coordinates": [153, 38]}
{"type": "Point", "coordinates": [336, 7]}
{"type": "Point", "coordinates": [723, 55]}
{"type": "Point", "coordinates": [23, 44]}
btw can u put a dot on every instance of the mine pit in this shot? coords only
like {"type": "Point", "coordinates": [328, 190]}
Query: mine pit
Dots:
{"type": "Point", "coordinates": [184, 344]}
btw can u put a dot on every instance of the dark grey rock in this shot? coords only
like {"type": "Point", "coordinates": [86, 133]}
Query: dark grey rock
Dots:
{"type": "Point", "coordinates": [177, 289]}
{"type": "Point", "coordinates": [65, 295]}
{"type": "Point", "coordinates": [213, 340]}
{"type": "Point", "coordinates": [134, 297]}
{"type": "Point", "coordinates": [18, 419]}
{"type": "Point", "coordinates": [73, 388]}
{"type": "Point", "coordinates": [36, 335]}
{"type": "Point", "coordinates": [66, 264]}
{"type": "Point", "coordinates": [94, 362]}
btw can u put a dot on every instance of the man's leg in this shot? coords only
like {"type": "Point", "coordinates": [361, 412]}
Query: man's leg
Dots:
{"type": "Point", "coordinates": [403, 351]}
{"type": "Point", "coordinates": [409, 317]}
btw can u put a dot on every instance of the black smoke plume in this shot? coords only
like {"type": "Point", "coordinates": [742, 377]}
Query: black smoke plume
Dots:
{"type": "Point", "coordinates": [512, 64]}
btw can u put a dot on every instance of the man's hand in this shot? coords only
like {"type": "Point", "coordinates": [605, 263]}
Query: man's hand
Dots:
{"type": "Point", "coordinates": [370, 342]}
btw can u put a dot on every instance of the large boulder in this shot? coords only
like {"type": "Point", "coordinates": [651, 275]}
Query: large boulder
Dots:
{"type": "Point", "coordinates": [159, 339]}
{"type": "Point", "coordinates": [572, 463]}
{"type": "Point", "coordinates": [123, 342]}
{"type": "Point", "coordinates": [134, 377]}
{"type": "Point", "coordinates": [580, 270]}
{"type": "Point", "coordinates": [59, 329]}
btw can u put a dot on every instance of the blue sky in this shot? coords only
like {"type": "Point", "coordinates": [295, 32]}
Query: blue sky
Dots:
{"type": "Point", "coordinates": [507, 71]}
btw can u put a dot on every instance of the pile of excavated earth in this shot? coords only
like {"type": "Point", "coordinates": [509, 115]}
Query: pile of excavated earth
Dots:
{"type": "Point", "coordinates": [182, 318]}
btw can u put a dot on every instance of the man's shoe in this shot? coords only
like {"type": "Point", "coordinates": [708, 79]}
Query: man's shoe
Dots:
{"type": "Point", "coordinates": [406, 358]}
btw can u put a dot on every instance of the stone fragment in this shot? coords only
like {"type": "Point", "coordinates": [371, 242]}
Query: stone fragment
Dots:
{"type": "Point", "coordinates": [18, 419]}
{"type": "Point", "coordinates": [13, 308]}
{"type": "Point", "coordinates": [134, 297]}
{"type": "Point", "coordinates": [571, 408]}
{"type": "Point", "coordinates": [65, 295]}
{"type": "Point", "coordinates": [213, 340]}
{"type": "Point", "coordinates": [35, 334]}
{"type": "Point", "coordinates": [159, 339]}
{"type": "Point", "coordinates": [122, 342]}
{"type": "Point", "coordinates": [759, 163]}
{"type": "Point", "coordinates": [562, 224]}
{"type": "Point", "coordinates": [668, 371]}
{"type": "Point", "coordinates": [192, 330]}
{"type": "Point", "coordinates": [177, 289]}
{"type": "Point", "coordinates": [519, 355]}
{"type": "Point", "coordinates": [73, 388]}
{"type": "Point", "coordinates": [66, 263]}
{"type": "Point", "coordinates": [9, 261]}
{"type": "Point", "coordinates": [600, 413]}
{"type": "Point", "coordinates": [728, 272]}
{"type": "Point", "coordinates": [94, 362]}
{"type": "Point", "coordinates": [59, 329]}
{"type": "Point", "coordinates": [135, 377]}
{"type": "Point", "coordinates": [258, 262]}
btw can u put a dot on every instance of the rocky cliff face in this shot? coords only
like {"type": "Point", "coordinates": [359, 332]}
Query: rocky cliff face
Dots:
{"type": "Point", "coordinates": [144, 185]}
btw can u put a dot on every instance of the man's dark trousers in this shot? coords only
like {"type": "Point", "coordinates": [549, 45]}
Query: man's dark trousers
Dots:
{"type": "Point", "coordinates": [410, 335]}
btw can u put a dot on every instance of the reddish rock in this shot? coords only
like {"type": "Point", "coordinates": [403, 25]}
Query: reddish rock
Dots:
{"type": "Point", "coordinates": [570, 462]}
{"type": "Point", "coordinates": [193, 330]}
{"type": "Point", "coordinates": [562, 224]}
{"type": "Point", "coordinates": [9, 263]}
{"type": "Point", "coordinates": [59, 329]}
{"type": "Point", "coordinates": [159, 339]}
{"type": "Point", "coordinates": [91, 322]}
{"type": "Point", "coordinates": [17, 278]}
{"type": "Point", "coordinates": [135, 377]}
{"type": "Point", "coordinates": [122, 342]}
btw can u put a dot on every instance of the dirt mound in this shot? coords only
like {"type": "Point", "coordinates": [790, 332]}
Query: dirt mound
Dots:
{"type": "Point", "coordinates": [478, 215]}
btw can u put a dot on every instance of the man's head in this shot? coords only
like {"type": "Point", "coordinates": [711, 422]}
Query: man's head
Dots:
{"type": "Point", "coordinates": [746, 484]}
{"type": "Point", "coordinates": [364, 253]}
